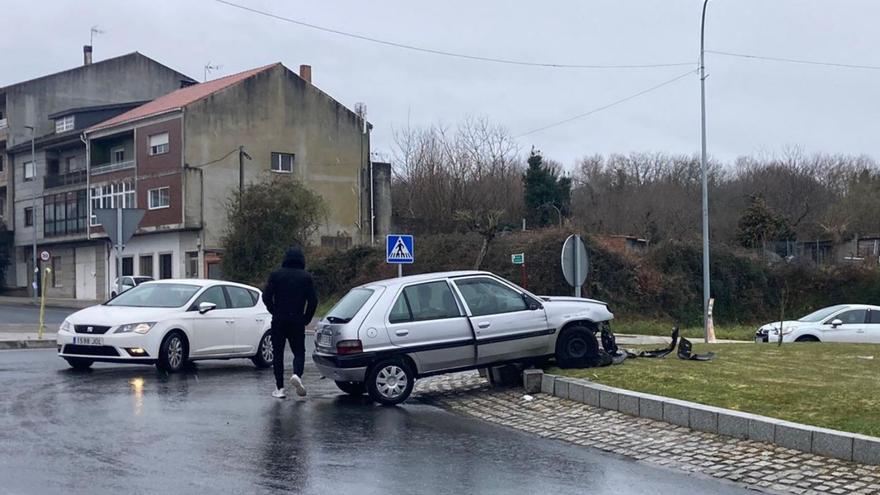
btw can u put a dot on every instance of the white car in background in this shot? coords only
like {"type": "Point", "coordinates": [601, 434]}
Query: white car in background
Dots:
{"type": "Point", "coordinates": [127, 283]}
{"type": "Point", "coordinates": [169, 323]}
{"type": "Point", "coordinates": [852, 323]}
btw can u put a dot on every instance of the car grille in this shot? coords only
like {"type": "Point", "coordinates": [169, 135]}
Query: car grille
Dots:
{"type": "Point", "coordinates": [90, 350]}
{"type": "Point", "coordinates": [96, 329]}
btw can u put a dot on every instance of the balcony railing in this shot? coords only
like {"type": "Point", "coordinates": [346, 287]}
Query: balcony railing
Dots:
{"type": "Point", "coordinates": [2, 123]}
{"type": "Point", "coordinates": [105, 168]}
{"type": "Point", "coordinates": [68, 179]}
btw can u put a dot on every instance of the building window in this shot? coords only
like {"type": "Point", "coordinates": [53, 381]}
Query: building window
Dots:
{"type": "Point", "coordinates": [192, 264]}
{"type": "Point", "coordinates": [160, 198]}
{"type": "Point", "coordinates": [2, 206]}
{"type": "Point", "coordinates": [1, 163]}
{"type": "Point", "coordinates": [146, 266]}
{"type": "Point", "coordinates": [29, 171]}
{"type": "Point", "coordinates": [64, 213]}
{"type": "Point", "coordinates": [118, 195]}
{"type": "Point", "coordinates": [117, 155]}
{"type": "Point", "coordinates": [159, 144]}
{"type": "Point", "coordinates": [165, 266]}
{"type": "Point", "coordinates": [128, 266]}
{"type": "Point", "coordinates": [72, 164]}
{"type": "Point", "coordinates": [64, 124]}
{"type": "Point", "coordinates": [56, 272]}
{"type": "Point", "coordinates": [282, 162]}
{"type": "Point", "coordinates": [28, 217]}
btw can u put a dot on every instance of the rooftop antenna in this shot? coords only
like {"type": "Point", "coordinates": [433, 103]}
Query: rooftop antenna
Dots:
{"type": "Point", "coordinates": [209, 68]}
{"type": "Point", "coordinates": [92, 32]}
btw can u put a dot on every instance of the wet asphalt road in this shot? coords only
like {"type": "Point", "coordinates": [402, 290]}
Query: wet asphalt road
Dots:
{"type": "Point", "coordinates": [20, 314]}
{"type": "Point", "coordinates": [125, 429]}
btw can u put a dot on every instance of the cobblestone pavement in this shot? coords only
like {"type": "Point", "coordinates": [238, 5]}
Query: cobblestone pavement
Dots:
{"type": "Point", "coordinates": [756, 465]}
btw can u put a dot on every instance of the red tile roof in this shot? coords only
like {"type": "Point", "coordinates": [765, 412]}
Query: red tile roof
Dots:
{"type": "Point", "coordinates": [179, 99]}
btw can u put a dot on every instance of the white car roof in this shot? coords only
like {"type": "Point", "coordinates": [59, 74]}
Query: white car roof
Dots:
{"type": "Point", "coordinates": [201, 282]}
{"type": "Point", "coordinates": [423, 277]}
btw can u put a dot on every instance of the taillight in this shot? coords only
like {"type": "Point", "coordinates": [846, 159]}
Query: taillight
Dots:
{"type": "Point", "coordinates": [349, 347]}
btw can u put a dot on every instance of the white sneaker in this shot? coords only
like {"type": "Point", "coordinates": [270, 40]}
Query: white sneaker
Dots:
{"type": "Point", "coordinates": [298, 385]}
{"type": "Point", "coordinates": [278, 393]}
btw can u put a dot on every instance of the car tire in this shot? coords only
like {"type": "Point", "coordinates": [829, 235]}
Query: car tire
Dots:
{"type": "Point", "coordinates": [265, 353]}
{"type": "Point", "coordinates": [577, 347]}
{"type": "Point", "coordinates": [807, 338]}
{"type": "Point", "coordinates": [390, 381]}
{"type": "Point", "coordinates": [352, 388]}
{"type": "Point", "coordinates": [79, 364]}
{"type": "Point", "coordinates": [173, 353]}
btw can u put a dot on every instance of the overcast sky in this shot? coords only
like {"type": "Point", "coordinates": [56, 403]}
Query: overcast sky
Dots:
{"type": "Point", "coordinates": [753, 106]}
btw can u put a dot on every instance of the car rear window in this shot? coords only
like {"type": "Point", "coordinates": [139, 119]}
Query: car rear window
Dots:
{"type": "Point", "coordinates": [349, 306]}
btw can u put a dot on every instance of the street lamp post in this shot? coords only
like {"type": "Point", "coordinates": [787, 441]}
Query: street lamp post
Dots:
{"type": "Point", "coordinates": [34, 209]}
{"type": "Point", "coordinates": [706, 289]}
{"type": "Point", "coordinates": [558, 211]}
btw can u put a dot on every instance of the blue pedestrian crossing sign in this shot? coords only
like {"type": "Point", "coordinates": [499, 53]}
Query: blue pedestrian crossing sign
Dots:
{"type": "Point", "coordinates": [399, 249]}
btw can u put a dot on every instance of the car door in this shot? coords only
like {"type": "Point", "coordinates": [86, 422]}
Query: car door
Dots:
{"type": "Point", "coordinates": [872, 328]}
{"type": "Point", "coordinates": [852, 328]}
{"type": "Point", "coordinates": [507, 323]}
{"type": "Point", "coordinates": [248, 321]}
{"type": "Point", "coordinates": [214, 331]}
{"type": "Point", "coordinates": [427, 322]}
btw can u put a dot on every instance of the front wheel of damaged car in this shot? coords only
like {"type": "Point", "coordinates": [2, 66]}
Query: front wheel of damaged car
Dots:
{"type": "Point", "coordinates": [173, 353]}
{"type": "Point", "coordinates": [390, 381]}
{"type": "Point", "coordinates": [577, 347]}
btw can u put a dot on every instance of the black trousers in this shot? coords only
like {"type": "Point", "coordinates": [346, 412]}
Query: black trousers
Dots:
{"type": "Point", "coordinates": [282, 333]}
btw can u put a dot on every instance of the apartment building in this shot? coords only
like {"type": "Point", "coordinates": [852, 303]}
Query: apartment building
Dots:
{"type": "Point", "coordinates": [180, 156]}
{"type": "Point", "coordinates": [44, 181]}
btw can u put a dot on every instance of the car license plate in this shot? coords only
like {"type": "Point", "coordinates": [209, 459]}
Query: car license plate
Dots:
{"type": "Point", "coordinates": [325, 339]}
{"type": "Point", "coordinates": [88, 340]}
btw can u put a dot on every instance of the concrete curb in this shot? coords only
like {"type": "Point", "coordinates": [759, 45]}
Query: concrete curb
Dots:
{"type": "Point", "coordinates": [28, 344]}
{"type": "Point", "coordinates": [862, 449]}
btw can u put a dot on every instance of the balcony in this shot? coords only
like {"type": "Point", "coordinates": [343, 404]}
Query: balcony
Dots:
{"type": "Point", "coordinates": [106, 168]}
{"type": "Point", "coordinates": [68, 179]}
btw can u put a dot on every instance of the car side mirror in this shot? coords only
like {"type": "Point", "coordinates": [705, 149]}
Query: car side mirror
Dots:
{"type": "Point", "coordinates": [206, 306]}
{"type": "Point", "coordinates": [531, 303]}
{"type": "Point", "coordinates": [836, 323]}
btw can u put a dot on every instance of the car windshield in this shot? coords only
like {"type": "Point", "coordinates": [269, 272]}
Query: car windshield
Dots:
{"type": "Point", "coordinates": [821, 314]}
{"type": "Point", "coordinates": [156, 296]}
{"type": "Point", "coordinates": [140, 280]}
{"type": "Point", "coordinates": [349, 305]}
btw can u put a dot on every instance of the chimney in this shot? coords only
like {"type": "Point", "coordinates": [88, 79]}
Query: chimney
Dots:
{"type": "Point", "coordinates": [87, 54]}
{"type": "Point", "coordinates": [305, 72]}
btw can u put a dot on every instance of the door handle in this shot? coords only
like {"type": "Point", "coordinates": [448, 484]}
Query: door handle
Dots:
{"type": "Point", "coordinates": [402, 333]}
{"type": "Point", "coordinates": [484, 324]}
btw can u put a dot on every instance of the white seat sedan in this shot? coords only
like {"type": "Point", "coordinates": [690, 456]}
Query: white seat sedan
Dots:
{"type": "Point", "coordinates": [169, 323]}
{"type": "Point", "coordinates": [853, 323]}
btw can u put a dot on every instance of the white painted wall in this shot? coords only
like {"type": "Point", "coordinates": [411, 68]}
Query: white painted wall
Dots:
{"type": "Point", "coordinates": [174, 243]}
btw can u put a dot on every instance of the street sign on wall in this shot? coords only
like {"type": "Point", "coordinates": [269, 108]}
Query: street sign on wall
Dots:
{"type": "Point", "coordinates": [575, 263]}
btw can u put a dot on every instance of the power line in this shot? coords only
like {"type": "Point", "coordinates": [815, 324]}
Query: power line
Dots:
{"type": "Point", "coordinates": [794, 60]}
{"type": "Point", "coordinates": [609, 105]}
{"type": "Point", "coordinates": [447, 53]}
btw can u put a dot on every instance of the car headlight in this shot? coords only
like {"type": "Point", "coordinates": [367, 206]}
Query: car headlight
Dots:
{"type": "Point", "coordinates": [66, 326]}
{"type": "Point", "coordinates": [785, 331]}
{"type": "Point", "coordinates": [141, 328]}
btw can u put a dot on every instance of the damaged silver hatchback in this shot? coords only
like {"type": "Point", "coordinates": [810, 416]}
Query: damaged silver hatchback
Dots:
{"type": "Point", "coordinates": [383, 336]}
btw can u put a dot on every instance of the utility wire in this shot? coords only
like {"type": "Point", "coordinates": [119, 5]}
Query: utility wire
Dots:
{"type": "Point", "coordinates": [609, 105]}
{"type": "Point", "coordinates": [793, 60]}
{"type": "Point", "coordinates": [447, 53]}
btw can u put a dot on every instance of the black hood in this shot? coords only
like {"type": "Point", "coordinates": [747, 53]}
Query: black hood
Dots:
{"type": "Point", "coordinates": [294, 258]}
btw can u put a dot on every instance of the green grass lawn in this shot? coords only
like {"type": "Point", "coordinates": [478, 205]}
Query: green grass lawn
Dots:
{"type": "Point", "coordinates": [731, 332]}
{"type": "Point", "coordinates": [825, 385]}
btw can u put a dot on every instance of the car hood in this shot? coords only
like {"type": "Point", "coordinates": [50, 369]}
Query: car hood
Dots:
{"type": "Point", "coordinates": [786, 324]}
{"type": "Point", "coordinates": [120, 315]}
{"type": "Point", "coordinates": [569, 308]}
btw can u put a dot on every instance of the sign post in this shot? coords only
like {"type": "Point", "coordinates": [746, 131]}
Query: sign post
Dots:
{"type": "Point", "coordinates": [46, 272]}
{"type": "Point", "coordinates": [399, 250]}
{"type": "Point", "coordinates": [520, 259]}
{"type": "Point", "coordinates": [575, 263]}
{"type": "Point", "coordinates": [120, 225]}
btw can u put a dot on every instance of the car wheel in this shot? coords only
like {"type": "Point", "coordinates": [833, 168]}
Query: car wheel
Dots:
{"type": "Point", "coordinates": [265, 355]}
{"type": "Point", "coordinates": [390, 382]}
{"type": "Point", "coordinates": [577, 347]}
{"type": "Point", "coordinates": [79, 363]}
{"type": "Point", "coordinates": [807, 338]}
{"type": "Point", "coordinates": [173, 353]}
{"type": "Point", "coordinates": [352, 388]}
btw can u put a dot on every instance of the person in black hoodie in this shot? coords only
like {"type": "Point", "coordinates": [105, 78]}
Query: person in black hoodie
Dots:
{"type": "Point", "coordinates": [290, 298]}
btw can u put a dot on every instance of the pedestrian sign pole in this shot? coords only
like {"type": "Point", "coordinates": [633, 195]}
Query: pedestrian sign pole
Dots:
{"type": "Point", "coordinates": [46, 273]}
{"type": "Point", "coordinates": [520, 259]}
{"type": "Point", "coordinates": [399, 250]}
